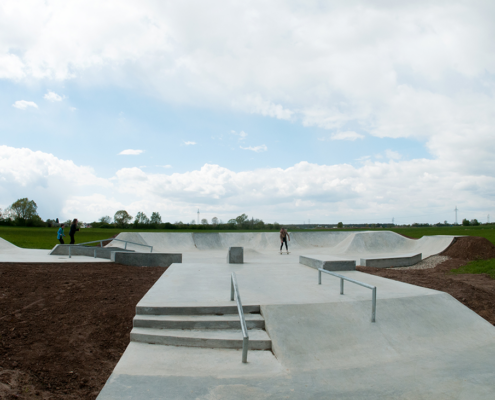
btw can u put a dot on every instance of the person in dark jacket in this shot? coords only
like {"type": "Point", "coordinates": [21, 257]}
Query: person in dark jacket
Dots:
{"type": "Point", "coordinates": [73, 230]}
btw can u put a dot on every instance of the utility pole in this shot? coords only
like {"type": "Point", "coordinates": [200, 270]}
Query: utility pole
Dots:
{"type": "Point", "coordinates": [198, 216]}
{"type": "Point", "coordinates": [488, 219]}
{"type": "Point", "coordinates": [393, 219]}
{"type": "Point", "coordinates": [455, 214]}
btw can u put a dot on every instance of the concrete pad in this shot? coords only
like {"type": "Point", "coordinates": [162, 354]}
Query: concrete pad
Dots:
{"type": "Point", "coordinates": [385, 262]}
{"type": "Point", "coordinates": [424, 344]}
{"type": "Point", "coordinates": [330, 265]}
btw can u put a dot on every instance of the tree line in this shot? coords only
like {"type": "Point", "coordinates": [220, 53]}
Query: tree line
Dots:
{"type": "Point", "coordinates": [24, 212]}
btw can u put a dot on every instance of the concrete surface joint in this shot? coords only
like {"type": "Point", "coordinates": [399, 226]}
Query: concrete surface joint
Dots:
{"type": "Point", "coordinates": [235, 255]}
{"type": "Point", "coordinates": [146, 259]}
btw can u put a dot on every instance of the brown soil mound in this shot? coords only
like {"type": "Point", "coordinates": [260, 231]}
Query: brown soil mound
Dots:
{"type": "Point", "coordinates": [63, 327]}
{"type": "Point", "coordinates": [470, 248]}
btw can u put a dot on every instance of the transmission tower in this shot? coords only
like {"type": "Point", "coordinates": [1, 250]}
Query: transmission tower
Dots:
{"type": "Point", "coordinates": [198, 216]}
{"type": "Point", "coordinates": [393, 219]}
{"type": "Point", "coordinates": [456, 214]}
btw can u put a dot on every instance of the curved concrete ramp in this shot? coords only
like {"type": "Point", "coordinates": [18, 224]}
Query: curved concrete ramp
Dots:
{"type": "Point", "coordinates": [342, 245]}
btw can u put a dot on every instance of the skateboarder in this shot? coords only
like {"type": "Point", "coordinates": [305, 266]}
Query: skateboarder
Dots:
{"type": "Point", "coordinates": [61, 234]}
{"type": "Point", "coordinates": [73, 230]}
{"type": "Point", "coordinates": [283, 239]}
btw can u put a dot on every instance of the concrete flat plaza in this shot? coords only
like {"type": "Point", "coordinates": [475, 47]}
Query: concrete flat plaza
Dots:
{"type": "Point", "coordinates": [320, 344]}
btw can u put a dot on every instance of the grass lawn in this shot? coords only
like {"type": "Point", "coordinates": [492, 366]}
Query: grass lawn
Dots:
{"type": "Point", "coordinates": [46, 238]}
{"type": "Point", "coordinates": [477, 267]}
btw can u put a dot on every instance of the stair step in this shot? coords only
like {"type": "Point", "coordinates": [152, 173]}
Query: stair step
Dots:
{"type": "Point", "coordinates": [199, 310]}
{"type": "Point", "coordinates": [229, 321]}
{"type": "Point", "coordinates": [208, 338]}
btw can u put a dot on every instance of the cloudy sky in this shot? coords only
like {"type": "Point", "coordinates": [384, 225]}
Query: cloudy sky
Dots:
{"type": "Point", "coordinates": [289, 111]}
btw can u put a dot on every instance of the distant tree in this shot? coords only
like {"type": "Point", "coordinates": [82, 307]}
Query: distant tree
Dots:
{"type": "Point", "coordinates": [204, 221]}
{"type": "Point", "coordinates": [193, 222]}
{"type": "Point", "coordinates": [241, 219]}
{"type": "Point", "coordinates": [122, 218]}
{"type": "Point", "coordinates": [276, 226]}
{"type": "Point", "coordinates": [214, 221]}
{"type": "Point", "coordinates": [465, 222]}
{"type": "Point", "coordinates": [340, 225]}
{"type": "Point", "coordinates": [155, 218]}
{"type": "Point", "coordinates": [474, 222]}
{"type": "Point", "coordinates": [141, 218]}
{"type": "Point", "coordinates": [24, 209]}
{"type": "Point", "coordinates": [105, 219]}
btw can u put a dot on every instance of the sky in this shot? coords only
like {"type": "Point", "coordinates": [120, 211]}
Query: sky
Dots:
{"type": "Point", "coordinates": [288, 111]}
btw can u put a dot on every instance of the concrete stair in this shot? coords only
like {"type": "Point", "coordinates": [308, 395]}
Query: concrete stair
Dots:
{"type": "Point", "coordinates": [209, 327]}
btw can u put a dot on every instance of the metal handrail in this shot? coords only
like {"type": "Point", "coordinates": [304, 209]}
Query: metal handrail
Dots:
{"type": "Point", "coordinates": [345, 278]}
{"type": "Point", "coordinates": [118, 240]}
{"type": "Point", "coordinates": [107, 240]}
{"type": "Point", "coordinates": [234, 292]}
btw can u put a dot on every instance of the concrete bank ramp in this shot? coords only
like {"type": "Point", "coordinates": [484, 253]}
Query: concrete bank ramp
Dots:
{"type": "Point", "coordinates": [4, 245]}
{"type": "Point", "coordinates": [345, 244]}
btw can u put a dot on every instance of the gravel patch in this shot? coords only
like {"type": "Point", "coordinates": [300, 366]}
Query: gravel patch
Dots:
{"type": "Point", "coordinates": [430, 262]}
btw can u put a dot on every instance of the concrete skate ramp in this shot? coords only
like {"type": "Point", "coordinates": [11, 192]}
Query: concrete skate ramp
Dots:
{"type": "Point", "coordinates": [347, 245]}
{"type": "Point", "coordinates": [4, 245]}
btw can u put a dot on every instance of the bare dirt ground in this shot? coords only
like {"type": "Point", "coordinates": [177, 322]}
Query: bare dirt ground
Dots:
{"type": "Point", "coordinates": [475, 291]}
{"type": "Point", "coordinates": [63, 327]}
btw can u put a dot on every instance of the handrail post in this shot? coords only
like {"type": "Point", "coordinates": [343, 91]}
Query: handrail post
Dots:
{"type": "Point", "coordinates": [70, 255]}
{"type": "Point", "coordinates": [373, 304]}
{"type": "Point", "coordinates": [245, 345]}
{"type": "Point", "coordinates": [125, 247]}
{"type": "Point", "coordinates": [319, 277]}
{"type": "Point", "coordinates": [231, 288]}
{"type": "Point", "coordinates": [101, 243]}
{"type": "Point", "coordinates": [341, 286]}
{"type": "Point", "coordinates": [95, 253]}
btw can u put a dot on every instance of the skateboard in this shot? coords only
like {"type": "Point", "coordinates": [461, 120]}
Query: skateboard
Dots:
{"type": "Point", "coordinates": [282, 252]}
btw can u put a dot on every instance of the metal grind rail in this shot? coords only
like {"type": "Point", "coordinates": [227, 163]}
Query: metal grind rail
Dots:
{"type": "Point", "coordinates": [109, 240]}
{"type": "Point", "coordinates": [234, 293]}
{"type": "Point", "coordinates": [345, 278]}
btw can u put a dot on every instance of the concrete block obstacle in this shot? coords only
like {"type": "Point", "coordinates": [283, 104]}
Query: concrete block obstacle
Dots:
{"type": "Point", "coordinates": [386, 262]}
{"type": "Point", "coordinates": [146, 259]}
{"type": "Point", "coordinates": [93, 251]}
{"type": "Point", "coordinates": [329, 265]}
{"type": "Point", "coordinates": [235, 255]}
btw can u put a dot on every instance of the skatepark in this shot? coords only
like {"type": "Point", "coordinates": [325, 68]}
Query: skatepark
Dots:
{"type": "Point", "coordinates": [307, 340]}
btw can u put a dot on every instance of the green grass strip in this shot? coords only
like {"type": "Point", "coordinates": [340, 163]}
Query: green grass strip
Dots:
{"type": "Point", "coordinates": [477, 267]}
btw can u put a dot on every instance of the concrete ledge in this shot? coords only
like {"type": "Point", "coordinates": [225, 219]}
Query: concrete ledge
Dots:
{"type": "Point", "coordinates": [101, 252]}
{"type": "Point", "coordinates": [329, 265]}
{"type": "Point", "coordinates": [235, 255]}
{"type": "Point", "coordinates": [386, 262]}
{"type": "Point", "coordinates": [146, 259]}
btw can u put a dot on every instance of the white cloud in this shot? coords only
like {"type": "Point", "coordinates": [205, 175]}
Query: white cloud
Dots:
{"type": "Point", "coordinates": [52, 96]}
{"type": "Point", "coordinates": [189, 143]}
{"type": "Point", "coordinates": [131, 152]}
{"type": "Point", "coordinates": [257, 149]}
{"type": "Point", "coordinates": [331, 193]}
{"type": "Point", "coordinates": [23, 104]}
{"type": "Point", "coordinates": [347, 135]}
{"type": "Point", "coordinates": [392, 155]}
{"type": "Point", "coordinates": [242, 135]}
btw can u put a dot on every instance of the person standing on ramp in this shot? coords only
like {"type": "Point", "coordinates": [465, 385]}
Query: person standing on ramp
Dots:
{"type": "Point", "coordinates": [73, 230]}
{"type": "Point", "coordinates": [283, 239]}
{"type": "Point", "coordinates": [61, 234]}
